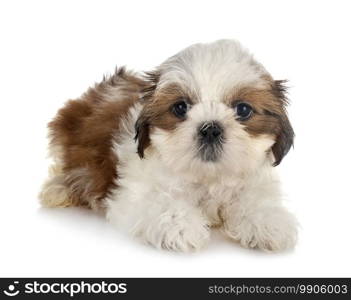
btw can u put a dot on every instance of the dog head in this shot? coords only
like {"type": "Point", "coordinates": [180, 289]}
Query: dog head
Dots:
{"type": "Point", "coordinates": [213, 109]}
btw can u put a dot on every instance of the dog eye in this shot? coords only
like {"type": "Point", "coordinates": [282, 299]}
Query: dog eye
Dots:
{"type": "Point", "coordinates": [180, 108]}
{"type": "Point", "coordinates": [243, 111]}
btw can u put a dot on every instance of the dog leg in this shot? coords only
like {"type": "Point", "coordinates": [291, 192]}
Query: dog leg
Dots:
{"type": "Point", "coordinates": [161, 221]}
{"type": "Point", "coordinates": [258, 220]}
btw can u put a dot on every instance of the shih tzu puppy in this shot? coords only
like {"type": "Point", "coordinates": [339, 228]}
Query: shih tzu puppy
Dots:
{"type": "Point", "coordinates": [168, 154]}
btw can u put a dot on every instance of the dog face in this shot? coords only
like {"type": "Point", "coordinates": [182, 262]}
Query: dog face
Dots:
{"type": "Point", "coordinates": [212, 109]}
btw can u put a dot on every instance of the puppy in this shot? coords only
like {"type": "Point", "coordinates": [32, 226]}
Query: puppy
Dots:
{"type": "Point", "coordinates": [168, 154]}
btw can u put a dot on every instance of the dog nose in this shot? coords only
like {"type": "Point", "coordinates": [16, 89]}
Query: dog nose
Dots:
{"type": "Point", "coordinates": [210, 132]}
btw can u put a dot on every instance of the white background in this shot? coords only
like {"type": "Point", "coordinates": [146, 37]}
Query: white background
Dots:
{"type": "Point", "coordinates": [53, 50]}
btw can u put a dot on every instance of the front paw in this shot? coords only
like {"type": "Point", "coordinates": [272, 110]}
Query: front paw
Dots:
{"type": "Point", "coordinates": [177, 232]}
{"type": "Point", "coordinates": [269, 229]}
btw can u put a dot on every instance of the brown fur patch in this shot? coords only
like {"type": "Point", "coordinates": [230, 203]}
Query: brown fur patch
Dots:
{"type": "Point", "coordinates": [270, 116]}
{"type": "Point", "coordinates": [157, 112]}
{"type": "Point", "coordinates": [83, 129]}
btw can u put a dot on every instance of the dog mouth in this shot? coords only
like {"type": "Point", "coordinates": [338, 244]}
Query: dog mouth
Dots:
{"type": "Point", "coordinates": [210, 152]}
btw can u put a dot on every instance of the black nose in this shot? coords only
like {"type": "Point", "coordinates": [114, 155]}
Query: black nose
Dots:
{"type": "Point", "coordinates": [210, 132]}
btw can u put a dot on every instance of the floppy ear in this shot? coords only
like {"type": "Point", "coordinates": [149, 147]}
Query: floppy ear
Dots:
{"type": "Point", "coordinates": [142, 125]}
{"type": "Point", "coordinates": [285, 137]}
{"type": "Point", "coordinates": [142, 135]}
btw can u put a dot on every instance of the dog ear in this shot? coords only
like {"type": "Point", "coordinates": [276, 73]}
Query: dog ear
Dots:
{"type": "Point", "coordinates": [142, 125]}
{"type": "Point", "coordinates": [142, 135]}
{"type": "Point", "coordinates": [285, 137]}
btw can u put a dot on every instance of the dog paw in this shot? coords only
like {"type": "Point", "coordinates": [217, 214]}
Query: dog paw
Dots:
{"type": "Point", "coordinates": [183, 233]}
{"type": "Point", "coordinates": [270, 229]}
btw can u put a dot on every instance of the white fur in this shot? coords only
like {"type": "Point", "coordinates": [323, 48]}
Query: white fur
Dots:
{"type": "Point", "coordinates": [209, 71]}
